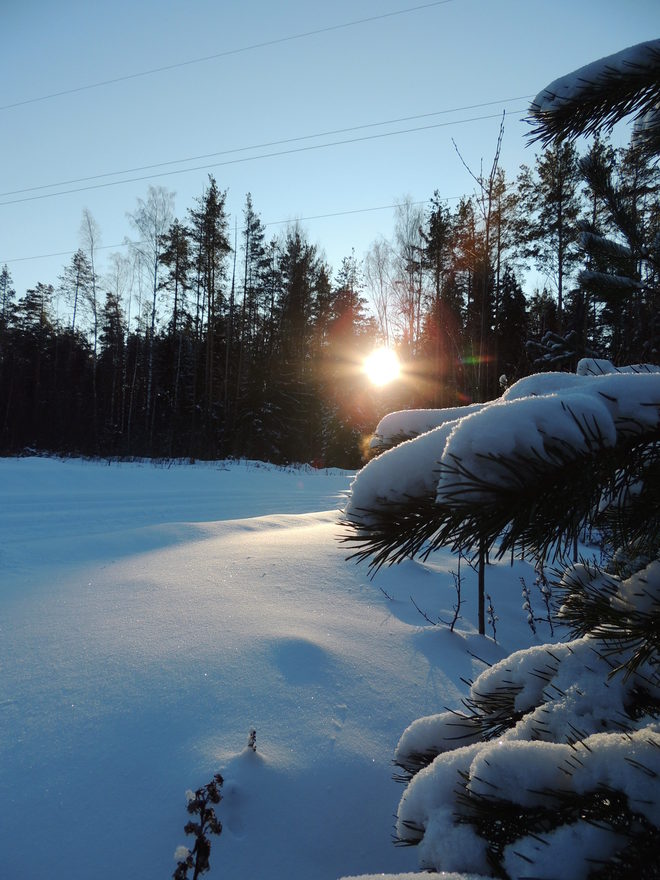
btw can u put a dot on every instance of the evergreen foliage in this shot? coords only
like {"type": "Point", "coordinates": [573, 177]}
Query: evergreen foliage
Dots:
{"type": "Point", "coordinates": [551, 766]}
{"type": "Point", "coordinates": [593, 99]}
{"type": "Point", "coordinates": [559, 740]}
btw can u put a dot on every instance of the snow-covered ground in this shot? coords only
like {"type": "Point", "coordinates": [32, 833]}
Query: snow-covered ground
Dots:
{"type": "Point", "coordinates": [150, 616]}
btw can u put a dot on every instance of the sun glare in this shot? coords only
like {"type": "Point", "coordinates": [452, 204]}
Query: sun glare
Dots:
{"type": "Point", "coordinates": [382, 366]}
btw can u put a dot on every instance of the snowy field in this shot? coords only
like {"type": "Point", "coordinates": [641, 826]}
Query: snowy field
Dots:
{"type": "Point", "coordinates": [151, 615]}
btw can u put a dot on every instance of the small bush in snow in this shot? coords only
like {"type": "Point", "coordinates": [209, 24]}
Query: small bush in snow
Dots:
{"type": "Point", "coordinates": [200, 804]}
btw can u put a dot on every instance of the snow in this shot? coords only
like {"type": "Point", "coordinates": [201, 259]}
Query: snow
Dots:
{"type": "Point", "coordinates": [563, 852]}
{"type": "Point", "coordinates": [609, 282]}
{"type": "Point", "coordinates": [566, 741]}
{"type": "Point", "coordinates": [151, 616]}
{"type": "Point", "coordinates": [411, 422]}
{"type": "Point", "coordinates": [599, 367]}
{"type": "Point", "coordinates": [442, 875]}
{"type": "Point", "coordinates": [572, 86]}
{"type": "Point", "coordinates": [537, 417]}
{"type": "Point", "coordinates": [591, 241]}
{"type": "Point", "coordinates": [537, 427]}
{"type": "Point", "coordinates": [409, 470]}
{"type": "Point", "coordinates": [594, 414]}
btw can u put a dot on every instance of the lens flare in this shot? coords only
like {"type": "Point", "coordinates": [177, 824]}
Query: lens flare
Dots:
{"type": "Point", "coordinates": [382, 366]}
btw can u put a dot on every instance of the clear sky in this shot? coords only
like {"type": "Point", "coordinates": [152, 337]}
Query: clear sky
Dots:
{"type": "Point", "coordinates": [351, 72]}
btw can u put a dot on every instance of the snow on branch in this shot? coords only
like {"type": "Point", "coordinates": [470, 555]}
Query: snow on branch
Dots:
{"type": "Point", "coordinates": [599, 244]}
{"type": "Point", "coordinates": [600, 94]}
{"type": "Point", "coordinates": [565, 749]}
{"type": "Point", "coordinates": [503, 474]}
{"type": "Point", "coordinates": [409, 423]}
{"type": "Point", "coordinates": [607, 284]}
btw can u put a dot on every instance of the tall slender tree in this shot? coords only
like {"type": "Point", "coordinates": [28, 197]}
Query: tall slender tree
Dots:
{"type": "Point", "coordinates": [151, 219]}
{"type": "Point", "coordinates": [77, 284]}
{"type": "Point", "coordinates": [7, 295]}
{"type": "Point", "coordinates": [90, 235]}
{"type": "Point", "coordinates": [550, 208]}
{"type": "Point", "coordinates": [443, 315]}
{"type": "Point", "coordinates": [407, 259]}
{"type": "Point", "coordinates": [209, 234]}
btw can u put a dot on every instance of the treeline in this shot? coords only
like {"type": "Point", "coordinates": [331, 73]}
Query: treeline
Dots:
{"type": "Point", "coordinates": [205, 341]}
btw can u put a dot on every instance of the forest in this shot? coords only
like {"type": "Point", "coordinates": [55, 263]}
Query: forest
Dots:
{"type": "Point", "coordinates": [206, 339]}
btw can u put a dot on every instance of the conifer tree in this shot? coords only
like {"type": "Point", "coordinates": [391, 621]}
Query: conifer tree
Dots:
{"type": "Point", "coordinates": [550, 206]}
{"type": "Point", "coordinates": [112, 370]}
{"type": "Point", "coordinates": [443, 316]}
{"type": "Point", "coordinates": [76, 284]}
{"type": "Point", "coordinates": [209, 233]}
{"type": "Point", "coordinates": [550, 768]}
{"type": "Point", "coordinates": [297, 415]}
{"type": "Point", "coordinates": [594, 98]}
{"type": "Point", "coordinates": [7, 295]}
{"type": "Point", "coordinates": [251, 320]}
{"type": "Point", "coordinates": [511, 329]}
{"type": "Point", "coordinates": [622, 275]}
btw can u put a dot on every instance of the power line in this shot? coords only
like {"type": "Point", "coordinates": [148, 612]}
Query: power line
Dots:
{"type": "Point", "coordinates": [271, 155]}
{"type": "Point", "coordinates": [226, 53]}
{"type": "Point", "coordinates": [265, 225]}
{"type": "Point", "coordinates": [261, 146]}
{"type": "Point", "coordinates": [353, 211]}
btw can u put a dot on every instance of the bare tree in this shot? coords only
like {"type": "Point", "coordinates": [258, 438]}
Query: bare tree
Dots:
{"type": "Point", "coordinates": [152, 219]}
{"type": "Point", "coordinates": [408, 271]}
{"type": "Point", "coordinates": [377, 274]}
{"type": "Point", "coordinates": [90, 235]}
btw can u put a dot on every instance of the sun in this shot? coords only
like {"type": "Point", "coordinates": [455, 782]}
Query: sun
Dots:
{"type": "Point", "coordinates": [382, 366]}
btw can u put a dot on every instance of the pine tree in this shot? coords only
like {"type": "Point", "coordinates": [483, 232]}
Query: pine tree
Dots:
{"type": "Point", "coordinates": [176, 257]}
{"type": "Point", "coordinates": [550, 766]}
{"type": "Point", "coordinates": [297, 418]}
{"type": "Point", "coordinates": [498, 482]}
{"type": "Point", "coordinates": [622, 275]}
{"type": "Point", "coordinates": [249, 369]}
{"type": "Point", "coordinates": [76, 283]}
{"type": "Point", "coordinates": [33, 314]}
{"type": "Point", "coordinates": [344, 336]}
{"type": "Point", "coordinates": [443, 316]}
{"type": "Point", "coordinates": [594, 98]}
{"type": "Point", "coordinates": [111, 371]}
{"type": "Point", "coordinates": [512, 329]}
{"type": "Point", "coordinates": [7, 295]}
{"type": "Point", "coordinates": [550, 206]}
{"type": "Point", "coordinates": [209, 234]}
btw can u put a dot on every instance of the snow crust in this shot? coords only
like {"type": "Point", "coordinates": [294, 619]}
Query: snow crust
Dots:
{"type": "Point", "coordinates": [565, 852]}
{"type": "Point", "coordinates": [150, 616]}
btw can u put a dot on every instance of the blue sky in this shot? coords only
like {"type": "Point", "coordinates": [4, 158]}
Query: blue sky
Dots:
{"type": "Point", "coordinates": [419, 63]}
